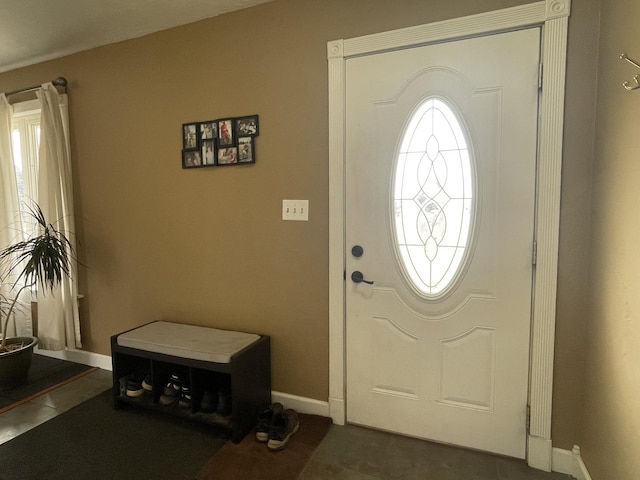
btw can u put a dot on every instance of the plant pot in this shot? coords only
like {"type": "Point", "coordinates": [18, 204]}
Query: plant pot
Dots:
{"type": "Point", "coordinates": [14, 365]}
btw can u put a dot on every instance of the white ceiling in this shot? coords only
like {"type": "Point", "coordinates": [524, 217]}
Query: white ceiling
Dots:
{"type": "Point", "coordinates": [32, 31]}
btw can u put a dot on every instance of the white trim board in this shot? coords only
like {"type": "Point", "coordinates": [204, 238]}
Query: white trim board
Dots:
{"type": "Point", "coordinates": [301, 404]}
{"type": "Point", "coordinates": [552, 16]}
{"type": "Point", "coordinates": [79, 356]}
{"type": "Point", "coordinates": [570, 463]}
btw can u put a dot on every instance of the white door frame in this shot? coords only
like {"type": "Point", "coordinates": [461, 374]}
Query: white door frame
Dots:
{"type": "Point", "coordinates": [553, 17]}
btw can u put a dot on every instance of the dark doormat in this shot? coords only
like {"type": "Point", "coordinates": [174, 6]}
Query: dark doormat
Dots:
{"type": "Point", "coordinates": [94, 441]}
{"type": "Point", "coordinates": [249, 459]}
{"type": "Point", "coordinates": [45, 374]}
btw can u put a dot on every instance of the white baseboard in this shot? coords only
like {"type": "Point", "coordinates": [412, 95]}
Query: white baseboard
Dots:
{"type": "Point", "coordinates": [79, 356]}
{"type": "Point", "coordinates": [570, 463]}
{"type": "Point", "coordinates": [301, 404]}
{"type": "Point", "coordinates": [564, 462]}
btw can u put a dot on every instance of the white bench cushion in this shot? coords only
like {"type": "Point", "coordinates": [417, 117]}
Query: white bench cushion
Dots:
{"type": "Point", "coordinates": [187, 341]}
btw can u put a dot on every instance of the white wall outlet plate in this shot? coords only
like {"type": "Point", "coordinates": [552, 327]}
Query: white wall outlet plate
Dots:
{"type": "Point", "coordinates": [297, 210]}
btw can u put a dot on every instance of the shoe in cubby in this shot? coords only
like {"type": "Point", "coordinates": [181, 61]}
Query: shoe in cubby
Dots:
{"type": "Point", "coordinates": [134, 388]}
{"type": "Point", "coordinates": [147, 384]}
{"type": "Point", "coordinates": [172, 390]}
{"type": "Point", "coordinates": [185, 397]}
{"type": "Point", "coordinates": [209, 402]}
{"type": "Point", "coordinates": [224, 402]}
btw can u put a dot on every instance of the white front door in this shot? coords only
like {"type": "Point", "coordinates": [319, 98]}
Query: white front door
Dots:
{"type": "Point", "coordinates": [440, 192]}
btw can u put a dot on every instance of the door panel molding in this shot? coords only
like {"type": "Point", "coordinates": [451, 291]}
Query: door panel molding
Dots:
{"type": "Point", "coordinates": [552, 16]}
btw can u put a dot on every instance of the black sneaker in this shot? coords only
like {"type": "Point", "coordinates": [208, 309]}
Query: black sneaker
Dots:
{"type": "Point", "coordinates": [283, 425]}
{"type": "Point", "coordinates": [147, 384]}
{"type": "Point", "coordinates": [173, 385]}
{"type": "Point", "coordinates": [264, 421]}
{"type": "Point", "coordinates": [171, 390]}
{"type": "Point", "coordinates": [134, 388]}
{"type": "Point", "coordinates": [224, 402]}
{"type": "Point", "coordinates": [209, 402]}
{"type": "Point", "coordinates": [185, 397]}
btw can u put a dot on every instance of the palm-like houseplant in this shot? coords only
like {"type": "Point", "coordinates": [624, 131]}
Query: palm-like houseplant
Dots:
{"type": "Point", "coordinates": [40, 261]}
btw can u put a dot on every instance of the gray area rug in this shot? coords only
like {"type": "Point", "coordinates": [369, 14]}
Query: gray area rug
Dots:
{"type": "Point", "coordinates": [94, 441]}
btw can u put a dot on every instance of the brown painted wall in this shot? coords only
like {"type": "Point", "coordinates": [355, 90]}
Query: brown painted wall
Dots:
{"type": "Point", "coordinates": [207, 246]}
{"type": "Point", "coordinates": [611, 439]}
{"type": "Point", "coordinates": [575, 213]}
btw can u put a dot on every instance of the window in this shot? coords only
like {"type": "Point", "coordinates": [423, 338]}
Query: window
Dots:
{"type": "Point", "coordinates": [25, 140]}
{"type": "Point", "coordinates": [433, 198]}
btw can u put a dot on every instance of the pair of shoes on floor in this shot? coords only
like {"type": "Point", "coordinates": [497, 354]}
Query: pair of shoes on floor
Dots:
{"type": "Point", "coordinates": [176, 389]}
{"type": "Point", "coordinates": [276, 425]}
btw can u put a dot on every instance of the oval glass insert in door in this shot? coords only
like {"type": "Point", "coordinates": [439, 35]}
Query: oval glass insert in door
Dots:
{"type": "Point", "coordinates": [433, 199]}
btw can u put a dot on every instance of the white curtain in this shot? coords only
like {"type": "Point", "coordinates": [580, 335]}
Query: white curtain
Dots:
{"type": "Point", "coordinates": [58, 321]}
{"type": "Point", "coordinates": [9, 192]}
{"type": "Point", "coordinates": [10, 222]}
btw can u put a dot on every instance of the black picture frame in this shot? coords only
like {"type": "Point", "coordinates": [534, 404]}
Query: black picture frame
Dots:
{"type": "Point", "coordinates": [213, 143]}
{"type": "Point", "coordinates": [227, 156]}
{"type": "Point", "coordinates": [247, 126]}
{"type": "Point", "coordinates": [208, 130]}
{"type": "Point", "coordinates": [189, 136]}
{"type": "Point", "coordinates": [191, 159]}
{"type": "Point", "coordinates": [246, 150]}
{"type": "Point", "coordinates": [226, 133]}
{"type": "Point", "coordinates": [208, 153]}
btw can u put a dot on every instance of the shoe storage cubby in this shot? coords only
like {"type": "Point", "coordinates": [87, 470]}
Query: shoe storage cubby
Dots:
{"type": "Point", "coordinates": [223, 395]}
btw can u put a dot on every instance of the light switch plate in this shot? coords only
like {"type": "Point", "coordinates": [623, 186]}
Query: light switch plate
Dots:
{"type": "Point", "coordinates": [296, 210]}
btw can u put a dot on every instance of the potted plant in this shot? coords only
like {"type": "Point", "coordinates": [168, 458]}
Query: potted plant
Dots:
{"type": "Point", "coordinates": [40, 261]}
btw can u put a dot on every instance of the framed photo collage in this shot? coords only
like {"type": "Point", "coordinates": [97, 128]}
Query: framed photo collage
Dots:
{"type": "Point", "coordinates": [217, 143]}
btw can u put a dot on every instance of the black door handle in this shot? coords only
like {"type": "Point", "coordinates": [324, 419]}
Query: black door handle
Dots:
{"type": "Point", "coordinates": [358, 277]}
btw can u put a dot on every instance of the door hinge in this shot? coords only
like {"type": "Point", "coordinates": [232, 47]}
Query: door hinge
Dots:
{"type": "Point", "coordinates": [534, 255]}
{"type": "Point", "coordinates": [540, 69]}
{"type": "Point", "coordinates": [528, 418]}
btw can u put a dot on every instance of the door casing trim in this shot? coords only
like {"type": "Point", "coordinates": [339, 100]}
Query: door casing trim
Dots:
{"type": "Point", "coordinates": [553, 17]}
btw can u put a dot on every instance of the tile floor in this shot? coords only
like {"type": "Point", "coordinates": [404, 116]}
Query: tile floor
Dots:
{"type": "Point", "coordinates": [347, 452]}
{"type": "Point", "coordinates": [31, 414]}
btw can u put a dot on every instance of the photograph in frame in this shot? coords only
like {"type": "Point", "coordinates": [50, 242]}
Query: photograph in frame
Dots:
{"type": "Point", "coordinates": [225, 133]}
{"type": "Point", "coordinates": [247, 126]}
{"type": "Point", "coordinates": [246, 152]}
{"type": "Point", "coordinates": [208, 152]}
{"type": "Point", "coordinates": [208, 130]}
{"type": "Point", "coordinates": [189, 136]}
{"type": "Point", "coordinates": [191, 159]}
{"type": "Point", "coordinates": [227, 155]}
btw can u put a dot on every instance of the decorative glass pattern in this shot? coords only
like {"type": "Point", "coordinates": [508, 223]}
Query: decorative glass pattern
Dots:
{"type": "Point", "coordinates": [433, 198]}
